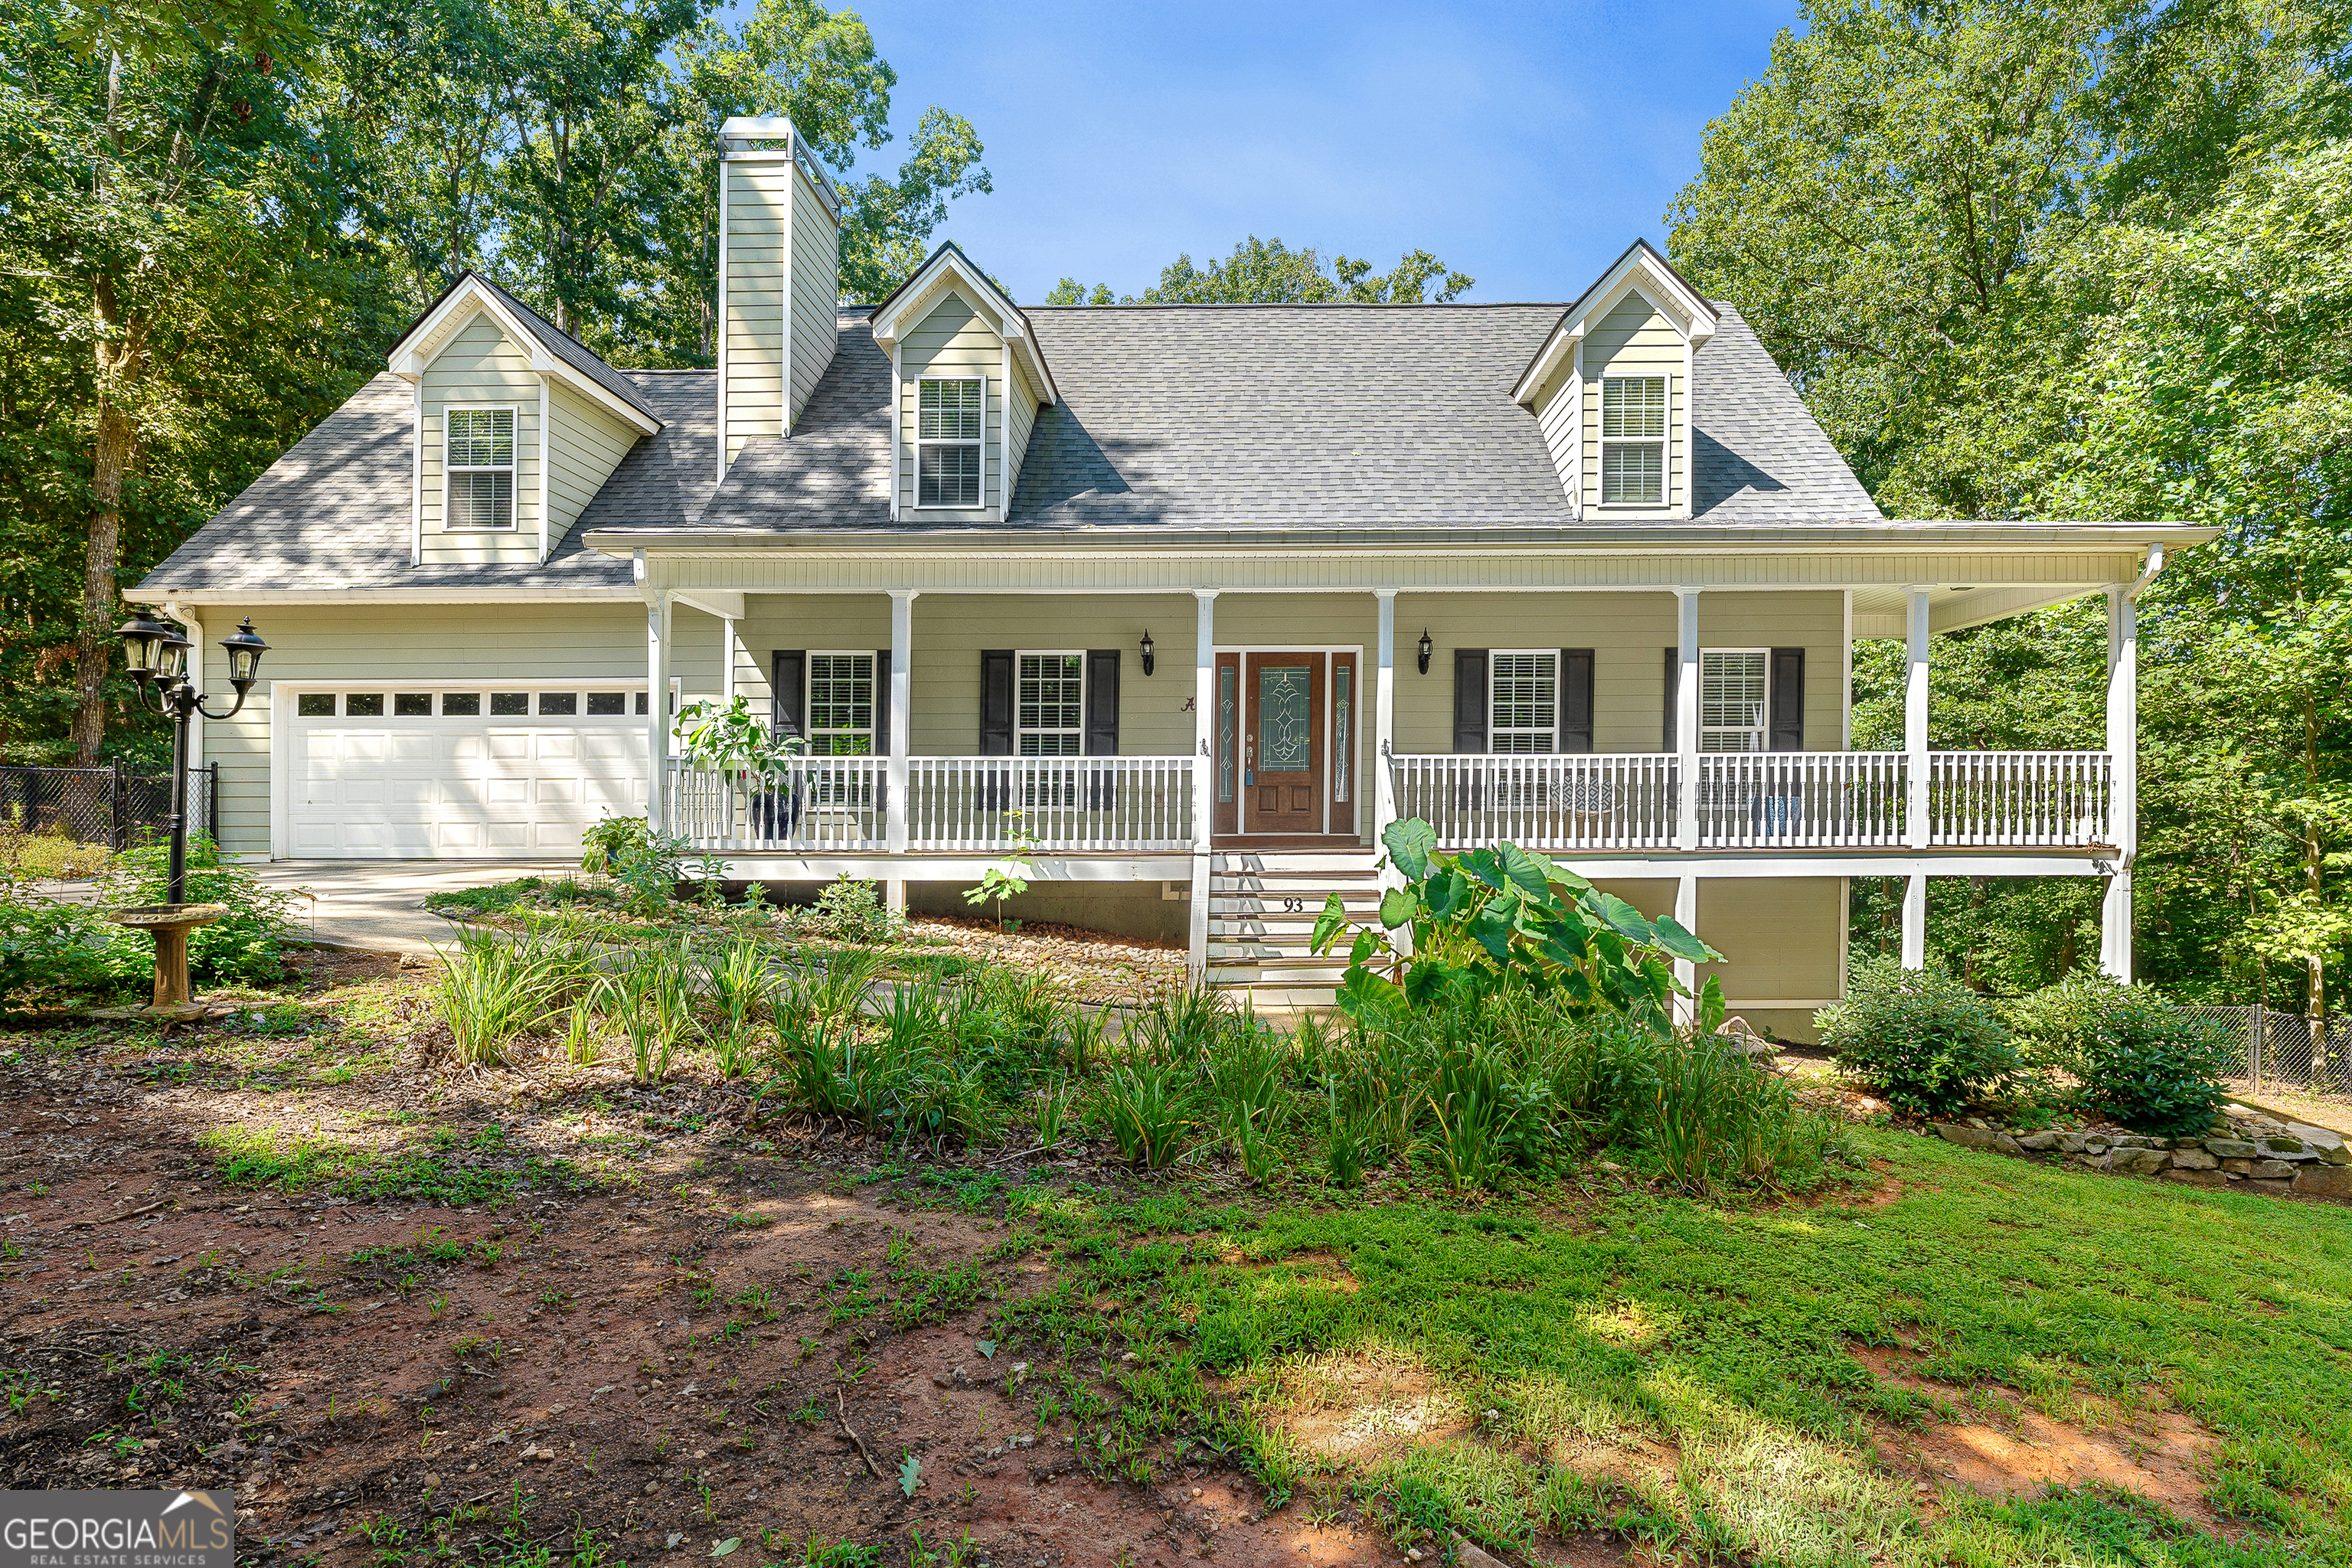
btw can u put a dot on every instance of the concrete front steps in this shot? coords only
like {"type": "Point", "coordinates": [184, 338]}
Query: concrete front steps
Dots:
{"type": "Point", "coordinates": [1263, 906]}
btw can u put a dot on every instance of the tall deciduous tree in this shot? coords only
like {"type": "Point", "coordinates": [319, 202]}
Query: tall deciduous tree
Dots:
{"type": "Point", "coordinates": [168, 214]}
{"type": "Point", "coordinates": [2087, 259]}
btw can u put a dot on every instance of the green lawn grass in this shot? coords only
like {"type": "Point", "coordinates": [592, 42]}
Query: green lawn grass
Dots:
{"type": "Point", "coordinates": [1725, 1335]}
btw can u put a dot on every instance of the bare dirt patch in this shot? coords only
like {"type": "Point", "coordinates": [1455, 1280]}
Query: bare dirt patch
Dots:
{"type": "Point", "coordinates": [2002, 1445]}
{"type": "Point", "coordinates": [663, 1345]}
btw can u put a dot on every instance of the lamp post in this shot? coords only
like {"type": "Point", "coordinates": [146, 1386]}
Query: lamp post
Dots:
{"type": "Point", "coordinates": [158, 660]}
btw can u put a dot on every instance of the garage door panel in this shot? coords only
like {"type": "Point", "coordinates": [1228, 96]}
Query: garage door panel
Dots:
{"type": "Point", "coordinates": [459, 787]}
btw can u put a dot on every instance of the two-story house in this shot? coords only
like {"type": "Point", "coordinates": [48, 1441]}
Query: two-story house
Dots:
{"type": "Point", "coordinates": [1195, 598]}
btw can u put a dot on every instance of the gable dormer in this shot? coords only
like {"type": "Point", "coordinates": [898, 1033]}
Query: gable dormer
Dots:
{"type": "Point", "coordinates": [969, 380]}
{"type": "Point", "coordinates": [1610, 390]}
{"type": "Point", "coordinates": [514, 426]}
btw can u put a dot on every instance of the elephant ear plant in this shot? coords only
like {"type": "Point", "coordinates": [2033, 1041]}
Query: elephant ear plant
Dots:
{"type": "Point", "coordinates": [1487, 920]}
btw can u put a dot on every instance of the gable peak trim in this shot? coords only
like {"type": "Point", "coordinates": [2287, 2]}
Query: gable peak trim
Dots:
{"type": "Point", "coordinates": [1641, 270]}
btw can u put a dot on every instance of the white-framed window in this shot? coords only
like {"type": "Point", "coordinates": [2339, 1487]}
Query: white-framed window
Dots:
{"type": "Point", "coordinates": [1523, 700]}
{"type": "Point", "coordinates": [1049, 704]}
{"type": "Point", "coordinates": [841, 704]}
{"type": "Point", "coordinates": [948, 423]}
{"type": "Point", "coordinates": [1734, 699]}
{"type": "Point", "coordinates": [1632, 440]}
{"type": "Point", "coordinates": [477, 468]}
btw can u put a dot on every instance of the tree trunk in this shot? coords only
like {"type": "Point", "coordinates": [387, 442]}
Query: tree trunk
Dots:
{"type": "Point", "coordinates": [94, 648]}
{"type": "Point", "coordinates": [110, 460]}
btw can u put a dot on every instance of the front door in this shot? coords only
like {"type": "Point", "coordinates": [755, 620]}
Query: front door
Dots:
{"type": "Point", "coordinates": [1282, 742]}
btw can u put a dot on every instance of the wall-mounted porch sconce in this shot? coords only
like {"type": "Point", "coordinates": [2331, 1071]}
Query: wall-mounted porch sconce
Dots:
{"type": "Point", "coordinates": [1425, 651]}
{"type": "Point", "coordinates": [1147, 652]}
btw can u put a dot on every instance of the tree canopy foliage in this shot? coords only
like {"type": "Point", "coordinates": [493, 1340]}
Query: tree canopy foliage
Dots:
{"type": "Point", "coordinates": [1268, 272]}
{"type": "Point", "coordinates": [2089, 261]}
{"type": "Point", "coordinates": [215, 215]}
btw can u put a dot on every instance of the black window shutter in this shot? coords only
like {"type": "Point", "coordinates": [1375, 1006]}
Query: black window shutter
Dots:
{"type": "Point", "coordinates": [1469, 699]}
{"type": "Point", "coordinates": [996, 702]}
{"type": "Point", "coordinates": [788, 692]}
{"type": "Point", "coordinates": [882, 702]}
{"type": "Point", "coordinates": [1576, 699]}
{"type": "Point", "coordinates": [1102, 703]}
{"type": "Point", "coordinates": [1787, 699]}
{"type": "Point", "coordinates": [1673, 669]}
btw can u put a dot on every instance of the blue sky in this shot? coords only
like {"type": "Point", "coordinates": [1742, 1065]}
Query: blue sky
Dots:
{"type": "Point", "coordinates": [1525, 145]}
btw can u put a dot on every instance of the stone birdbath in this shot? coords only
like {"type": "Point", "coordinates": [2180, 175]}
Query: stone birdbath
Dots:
{"type": "Point", "coordinates": [169, 924]}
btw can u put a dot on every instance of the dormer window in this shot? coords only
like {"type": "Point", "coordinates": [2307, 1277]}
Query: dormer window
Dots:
{"type": "Point", "coordinates": [480, 469]}
{"type": "Point", "coordinates": [1634, 440]}
{"type": "Point", "coordinates": [947, 442]}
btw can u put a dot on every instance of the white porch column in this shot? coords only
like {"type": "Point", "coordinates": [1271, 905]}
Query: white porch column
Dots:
{"type": "Point", "coordinates": [1205, 772]}
{"type": "Point", "coordinates": [657, 717]}
{"type": "Point", "coordinates": [2123, 749]}
{"type": "Point", "coordinates": [1914, 730]}
{"type": "Point", "coordinates": [1685, 972]}
{"type": "Point", "coordinates": [902, 729]}
{"type": "Point", "coordinates": [1384, 801]}
{"type": "Point", "coordinates": [1686, 687]}
{"type": "Point", "coordinates": [727, 661]}
{"type": "Point", "coordinates": [1915, 920]}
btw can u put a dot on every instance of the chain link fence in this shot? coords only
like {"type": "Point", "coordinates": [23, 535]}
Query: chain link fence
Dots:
{"type": "Point", "coordinates": [114, 807]}
{"type": "Point", "coordinates": [2285, 1049]}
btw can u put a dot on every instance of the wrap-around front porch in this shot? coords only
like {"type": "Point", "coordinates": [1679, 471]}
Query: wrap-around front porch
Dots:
{"type": "Point", "coordinates": [1300, 725]}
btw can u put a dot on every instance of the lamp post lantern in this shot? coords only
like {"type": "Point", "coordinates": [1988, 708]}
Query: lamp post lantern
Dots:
{"type": "Point", "coordinates": [158, 660]}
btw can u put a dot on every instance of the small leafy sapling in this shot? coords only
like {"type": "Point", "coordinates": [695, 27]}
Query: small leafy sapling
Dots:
{"type": "Point", "coordinates": [1005, 880]}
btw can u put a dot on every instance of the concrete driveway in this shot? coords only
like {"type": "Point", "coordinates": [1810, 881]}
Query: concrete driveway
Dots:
{"type": "Point", "coordinates": [378, 903]}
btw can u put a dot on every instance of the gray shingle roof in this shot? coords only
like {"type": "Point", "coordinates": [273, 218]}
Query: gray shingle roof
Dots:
{"type": "Point", "coordinates": [569, 350]}
{"type": "Point", "coordinates": [1313, 417]}
{"type": "Point", "coordinates": [1761, 456]}
{"type": "Point", "coordinates": [333, 512]}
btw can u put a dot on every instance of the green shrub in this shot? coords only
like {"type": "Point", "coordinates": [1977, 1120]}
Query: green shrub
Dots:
{"type": "Point", "coordinates": [57, 952]}
{"type": "Point", "coordinates": [851, 910]}
{"type": "Point", "coordinates": [2134, 1056]}
{"type": "Point", "coordinates": [1926, 1042]}
{"type": "Point", "coordinates": [246, 946]}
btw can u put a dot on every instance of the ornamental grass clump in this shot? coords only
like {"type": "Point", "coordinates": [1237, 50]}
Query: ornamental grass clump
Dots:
{"type": "Point", "coordinates": [497, 988]}
{"type": "Point", "coordinates": [1919, 1036]}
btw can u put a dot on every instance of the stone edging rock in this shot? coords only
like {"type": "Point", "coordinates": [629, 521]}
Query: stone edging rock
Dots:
{"type": "Point", "coordinates": [2257, 1155]}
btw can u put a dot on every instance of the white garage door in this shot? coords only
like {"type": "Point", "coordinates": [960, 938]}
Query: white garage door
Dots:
{"type": "Point", "coordinates": [462, 773]}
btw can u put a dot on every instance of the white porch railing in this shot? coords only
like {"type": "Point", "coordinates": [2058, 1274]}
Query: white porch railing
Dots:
{"type": "Point", "coordinates": [821, 804]}
{"type": "Point", "coordinates": [1801, 800]}
{"type": "Point", "coordinates": [1599, 801]}
{"type": "Point", "coordinates": [2048, 799]}
{"type": "Point", "coordinates": [1604, 803]}
{"type": "Point", "coordinates": [1067, 804]}
{"type": "Point", "coordinates": [1760, 800]}
{"type": "Point", "coordinates": [841, 806]}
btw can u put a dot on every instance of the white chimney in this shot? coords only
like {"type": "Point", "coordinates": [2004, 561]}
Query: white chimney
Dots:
{"type": "Point", "coordinates": [779, 278]}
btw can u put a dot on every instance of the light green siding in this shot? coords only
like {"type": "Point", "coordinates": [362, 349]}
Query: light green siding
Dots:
{"type": "Point", "coordinates": [1633, 338]}
{"type": "Point", "coordinates": [431, 645]}
{"type": "Point", "coordinates": [1781, 939]}
{"type": "Point", "coordinates": [952, 341]}
{"type": "Point", "coordinates": [1560, 415]}
{"type": "Point", "coordinates": [584, 445]}
{"type": "Point", "coordinates": [759, 233]}
{"type": "Point", "coordinates": [816, 288]}
{"type": "Point", "coordinates": [480, 368]}
{"type": "Point", "coordinates": [1020, 418]}
{"type": "Point", "coordinates": [1629, 634]}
